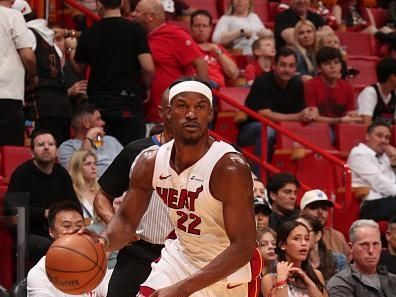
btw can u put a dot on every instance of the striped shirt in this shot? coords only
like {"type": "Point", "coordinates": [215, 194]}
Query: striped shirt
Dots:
{"type": "Point", "coordinates": [155, 225]}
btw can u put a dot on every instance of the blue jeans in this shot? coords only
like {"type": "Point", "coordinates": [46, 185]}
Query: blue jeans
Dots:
{"type": "Point", "coordinates": [250, 134]}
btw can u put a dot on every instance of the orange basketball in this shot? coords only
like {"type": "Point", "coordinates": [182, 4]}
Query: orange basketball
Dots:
{"type": "Point", "coordinates": [75, 264]}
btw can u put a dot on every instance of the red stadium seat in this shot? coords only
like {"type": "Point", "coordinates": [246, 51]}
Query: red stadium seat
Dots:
{"type": "Point", "coordinates": [225, 124]}
{"type": "Point", "coordinates": [11, 158]}
{"type": "Point", "coordinates": [239, 94]}
{"type": "Point", "coordinates": [316, 133]}
{"type": "Point", "coordinates": [310, 168]}
{"type": "Point", "coordinates": [366, 65]}
{"type": "Point", "coordinates": [357, 43]}
{"type": "Point", "coordinates": [348, 136]}
{"type": "Point", "coordinates": [260, 7]}
{"type": "Point", "coordinates": [209, 5]}
{"type": "Point", "coordinates": [380, 16]}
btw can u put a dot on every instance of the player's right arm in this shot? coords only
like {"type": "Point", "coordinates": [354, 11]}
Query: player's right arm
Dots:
{"type": "Point", "coordinates": [122, 227]}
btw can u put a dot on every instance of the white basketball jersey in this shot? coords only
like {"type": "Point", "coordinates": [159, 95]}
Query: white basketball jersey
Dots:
{"type": "Point", "coordinates": [195, 214]}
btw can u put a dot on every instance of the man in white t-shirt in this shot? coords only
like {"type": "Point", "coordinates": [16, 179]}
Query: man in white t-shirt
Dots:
{"type": "Point", "coordinates": [16, 56]}
{"type": "Point", "coordinates": [378, 101]}
{"type": "Point", "coordinates": [63, 216]}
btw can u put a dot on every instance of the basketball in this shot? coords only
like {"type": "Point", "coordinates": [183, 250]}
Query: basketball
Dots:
{"type": "Point", "coordinates": [75, 264]}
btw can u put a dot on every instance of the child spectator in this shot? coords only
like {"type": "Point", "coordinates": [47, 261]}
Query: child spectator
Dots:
{"type": "Point", "coordinates": [264, 52]}
{"type": "Point", "coordinates": [330, 96]}
{"type": "Point", "coordinates": [266, 239]}
{"type": "Point", "coordinates": [378, 101]}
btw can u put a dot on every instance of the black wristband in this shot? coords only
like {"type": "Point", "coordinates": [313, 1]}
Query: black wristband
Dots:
{"type": "Point", "coordinates": [90, 141]}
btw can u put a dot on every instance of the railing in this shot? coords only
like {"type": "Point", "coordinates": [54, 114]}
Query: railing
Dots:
{"type": "Point", "coordinates": [263, 163]}
{"type": "Point", "coordinates": [91, 17]}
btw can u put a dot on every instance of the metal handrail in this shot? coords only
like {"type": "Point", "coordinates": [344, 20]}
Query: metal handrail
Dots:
{"type": "Point", "coordinates": [296, 138]}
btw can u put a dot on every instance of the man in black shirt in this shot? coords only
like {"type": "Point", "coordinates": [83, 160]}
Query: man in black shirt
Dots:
{"type": "Point", "coordinates": [119, 56]}
{"type": "Point", "coordinates": [277, 95]}
{"type": "Point", "coordinates": [286, 20]}
{"type": "Point", "coordinates": [46, 182]}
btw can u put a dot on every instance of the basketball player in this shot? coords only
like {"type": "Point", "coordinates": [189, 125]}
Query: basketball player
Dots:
{"type": "Point", "coordinates": [63, 217]}
{"type": "Point", "coordinates": [207, 187]}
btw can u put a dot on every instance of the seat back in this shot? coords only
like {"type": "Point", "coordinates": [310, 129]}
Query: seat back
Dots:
{"type": "Point", "coordinates": [349, 135]}
{"type": "Point", "coordinates": [209, 5]}
{"type": "Point", "coordinates": [11, 158]}
{"type": "Point", "coordinates": [239, 94]}
{"type": "Point", "coordinates": [357, 43]}
{"type": "Point", "coordinates": [380, 16]}
{"type": "Point", "coordinates": [316, 133]}
{"type": "Point", "coordinates": [367, 68]}
{"type": "Point", "coordinates": [260, 7]}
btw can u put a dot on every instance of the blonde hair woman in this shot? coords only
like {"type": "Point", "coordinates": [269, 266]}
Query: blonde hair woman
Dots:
{"type": "Point", "coordinates": [305, 46]}
{"type": "Point", "coordinates": [240, 27]}
{"type": "Point", "coordinates": [82, 169]}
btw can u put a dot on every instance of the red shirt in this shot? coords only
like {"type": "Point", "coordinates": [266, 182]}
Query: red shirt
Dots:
{"type": "Point", "coordinates": [253, 70]}
{"type": "Point", "coordinates": [173, 52]}
{"type": "Point", "coordinates": [215, 72]}
{"type": "Point", "coordinates": [331, 102]}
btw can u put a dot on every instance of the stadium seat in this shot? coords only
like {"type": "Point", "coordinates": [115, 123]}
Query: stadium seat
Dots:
{"type": "Point", "coordinates": [380, 16]}
{"type": "Point", "coordinates": [348, 136]}
{"type": "Point", "coordinates": [357, 43]}
{"type": "Point", "coordinates": [225, 124]}
{"type": "Point", "coordinates": [209, 5]}
{"type": "Point", "coordinates": [310, 168]}
{"type": "Point", "coordinates": [12, 157]}
{"type": "Point", "coordinates": [260, 7]}
{"type": "Point", "coordinates": [345, 216]}
{"type": "Point", "coordinates": [239, 94]}
{"type": "Point", "coordinates": [316, 133]}
{"type": "Point", "coordinates": [366, 65]}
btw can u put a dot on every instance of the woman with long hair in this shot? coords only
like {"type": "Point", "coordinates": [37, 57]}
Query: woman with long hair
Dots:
{"type": "Point", "coordinates": [305, 46]}
{"type": "Point", "coordinates": [295, 276]}
{"type": "Point", "coordinates": [239, 27]}
{"type": "Point", "coordinates": [82, 169]}
{"type": "Point", "coordinates": [320, 257]}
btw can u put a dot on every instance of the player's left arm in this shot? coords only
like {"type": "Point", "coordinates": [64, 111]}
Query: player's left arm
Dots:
{"type": "Point", "coordinates": [231, 182]}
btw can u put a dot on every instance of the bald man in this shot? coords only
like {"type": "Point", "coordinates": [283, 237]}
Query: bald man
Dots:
{"type": "Point", "coordinates": [181, 57]}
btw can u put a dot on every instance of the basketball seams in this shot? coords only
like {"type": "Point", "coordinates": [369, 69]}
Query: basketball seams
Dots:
{"type": "Point", "coordinates": [100, 265]}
